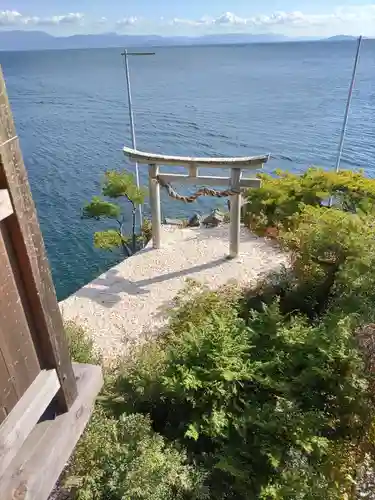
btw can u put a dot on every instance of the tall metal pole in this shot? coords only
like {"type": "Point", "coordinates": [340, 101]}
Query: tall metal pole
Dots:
{"type": "Point", "coordinates": [126, 55]}
{"type": "Point", "coordinates": [132, 129]}
{"type": "Point", "coordinates": [349, 100]}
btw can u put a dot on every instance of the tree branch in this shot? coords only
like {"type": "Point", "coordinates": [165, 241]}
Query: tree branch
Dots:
{"type": "Point", "coordinates": [129, 200]}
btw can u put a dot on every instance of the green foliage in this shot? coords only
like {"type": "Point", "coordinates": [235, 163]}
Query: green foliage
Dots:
{"type": "Point", "coordinates": [354, 287]}
{"type": "Point", "coordinates": [109, 240]}
{"type": "Point", "coordinates": [124, 459]}
{"type": "Point", "coordinates": [328, 236]}
{"type": "Point", "coordinates": [273, 406]}
{"type": "Point", "coordinates": [324, 240]}
{"type": "Point", "coordinates": [117, 185]}
{"type": "Point", "coordinates": [281, 197]}
{"type": "Point", "coordinates": [146, 230]}
{"type": "Point", "coordinates": [122, 184]}
{"type": "Point", "coordinates": [326, 244]}
{"type": "Point", "coordinates": [332, 257]}
{"type": "Point", "coordinates": [269, 391]}
{"type": "Point", "coordinates": [99, 208]}
{"type": "Point", "coordinates": [206, 357]}
{"type": "Point", "coordinates": [81, 346]}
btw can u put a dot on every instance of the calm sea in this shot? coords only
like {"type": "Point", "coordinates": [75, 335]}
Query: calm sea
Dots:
{"type": "Point", "coordinates": [71, 114]}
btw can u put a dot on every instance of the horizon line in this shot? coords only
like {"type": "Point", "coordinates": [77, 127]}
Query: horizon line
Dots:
{"type": "Point", "coordinates": [262, 34]}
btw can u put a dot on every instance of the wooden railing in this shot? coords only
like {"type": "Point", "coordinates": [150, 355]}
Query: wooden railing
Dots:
{"type": "Point", "coordinates": [235, 183]}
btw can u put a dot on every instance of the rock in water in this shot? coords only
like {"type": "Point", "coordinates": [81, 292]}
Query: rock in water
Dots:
{"type": "Point", "coordinates": [214, 219]}
{"type": "Point", "coordinates": [194, 221]}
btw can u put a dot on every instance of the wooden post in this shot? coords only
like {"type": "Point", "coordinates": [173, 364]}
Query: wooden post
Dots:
{"type": "Point", "coordinates": [235, 213]}
{"type": "Point", "coordinates": [26, 239]}
{"type": "Point", "coordinates": [155, 205]}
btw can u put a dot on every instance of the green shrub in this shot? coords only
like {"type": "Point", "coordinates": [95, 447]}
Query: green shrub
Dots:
{"type": "Point", "coordinates": [207, 352]}
{"type": "Point", "coordinates": [272, 406]}
{"type": "Point", "coordinates": [81, 346]}
{"type": "Point", "coordinates": [354, 288]}
{"type": "Point", "coordinates": [328, 236]}
{"type": "Point", "coordinates": [283, 196]}
{"type": "Point", "coordinates": [139, 386]}
{"type": "Point", "coordinates": [146, 230]}
{"type": "Point", "coordinates": [124, 459]}
{"type": "Point", "coordinates": [324, 244]}
{"type": "Point", "coordinates": [136, 385]}
{"type": "Point", "coordinates": [118, 187]}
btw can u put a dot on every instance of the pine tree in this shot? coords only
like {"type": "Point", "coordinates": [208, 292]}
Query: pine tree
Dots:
{"type": "Point", "coordinates": [119, 186]}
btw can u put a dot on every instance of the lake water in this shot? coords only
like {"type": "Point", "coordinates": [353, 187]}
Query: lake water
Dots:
{"type": "Point", "coordinates": [70, 109]}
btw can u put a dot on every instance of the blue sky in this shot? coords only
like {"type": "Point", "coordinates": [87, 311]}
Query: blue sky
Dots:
{"type": "Point", "coordinates": [191, 17]}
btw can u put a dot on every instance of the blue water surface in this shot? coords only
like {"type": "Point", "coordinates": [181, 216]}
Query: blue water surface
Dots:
{"type": "Point", "coordinates": [71, 113]}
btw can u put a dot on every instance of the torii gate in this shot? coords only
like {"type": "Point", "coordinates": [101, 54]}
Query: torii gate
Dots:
{"type": "Point", "coordinates": [235, 183]}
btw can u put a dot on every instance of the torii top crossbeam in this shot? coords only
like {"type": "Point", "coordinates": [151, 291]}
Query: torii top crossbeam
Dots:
{"type": "Point", "coordinates": [187, 161]}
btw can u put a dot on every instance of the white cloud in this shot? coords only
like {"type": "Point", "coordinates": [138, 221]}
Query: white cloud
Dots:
{"type": "Point", "coordinates": [14, 18]}
{"type": "Point", "coordinates": [187, 22]}
{"type": "Point", "coordinates": [344, 16]}
{"type": "Point", "coordinates": [347, 19]}
{"type": "Point", "coordinates": [204, 21]}
{"type": "Point", "coordinates": [128, 21]}
{"type": "Point", "coordinates": [9, 17]}
{"type": "Point", "coordinates": [230, 19]}
{"type": "Point", "coordinates": [281, 18]}
{"type": "Point", "coordinates": [71, 18]}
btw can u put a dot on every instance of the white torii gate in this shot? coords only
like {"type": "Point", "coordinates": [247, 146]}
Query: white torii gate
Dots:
{"type": "Point", "coordinates": [235, 182]}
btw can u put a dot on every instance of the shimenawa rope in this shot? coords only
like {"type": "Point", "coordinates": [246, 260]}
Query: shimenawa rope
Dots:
{"type": "Point", "coordinates": [201, 192]}
{"type": "Point", "coordinates": [205, 191]}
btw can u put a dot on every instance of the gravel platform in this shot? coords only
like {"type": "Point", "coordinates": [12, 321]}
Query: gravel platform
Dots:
{"type": "Point", "coordinates": [127, 304]}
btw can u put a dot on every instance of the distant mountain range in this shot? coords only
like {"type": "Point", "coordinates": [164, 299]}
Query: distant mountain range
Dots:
{"type": "Point", "coordinates": [341, 38]}
{"type": "Point", "coordinates": [39, 40]}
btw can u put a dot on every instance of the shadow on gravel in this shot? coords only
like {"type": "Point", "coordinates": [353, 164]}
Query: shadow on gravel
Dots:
{"type": "Point", "coordinates": [107, 289]}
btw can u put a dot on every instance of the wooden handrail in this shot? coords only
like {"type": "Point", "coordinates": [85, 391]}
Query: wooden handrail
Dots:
{"type": "Point", "coordinates": [25, 415]}
{"type": "Point", "coordinates": [188, 161]}
{"type": "Point", "coordinates": [37, 466]}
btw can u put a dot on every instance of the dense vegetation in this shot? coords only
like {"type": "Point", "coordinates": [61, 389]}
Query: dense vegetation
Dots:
{"type": "Point", "coordinates": [263, 393]}
{"type": "Point", "coordinates": [284, 195]}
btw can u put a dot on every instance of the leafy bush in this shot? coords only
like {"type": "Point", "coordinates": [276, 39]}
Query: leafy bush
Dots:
{"type": "Point", "coordinates": [354, 288]}
{"type": "Point", "coordinates": [124, 459]}
{"type": "Point", "coordinates": [272, 406]}
{"type": "Point", "coordinates": [281, 197]}
{"type": "Point", "coordinates": [325, 244]}
{"type": "Point", "coordinates": [81, 346]}
{"type": "Point", "coordinates": [146, 231]}
{"type": "Point", "coordinates": [328, 236]}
